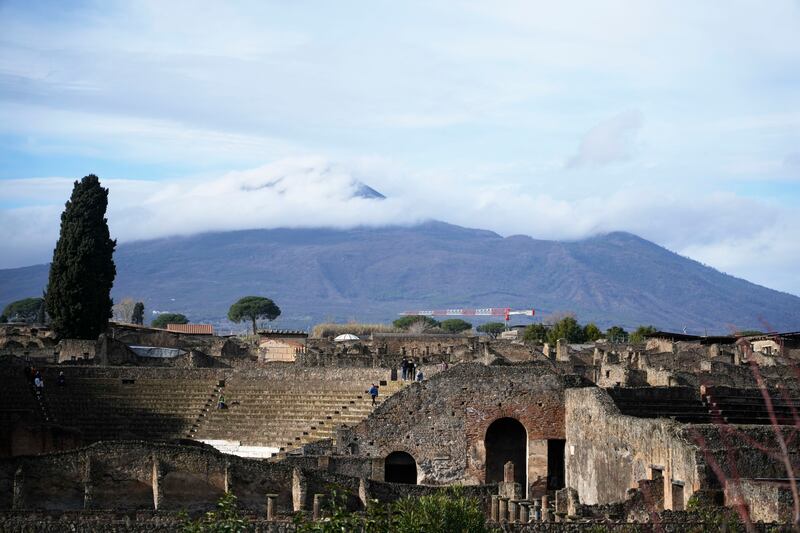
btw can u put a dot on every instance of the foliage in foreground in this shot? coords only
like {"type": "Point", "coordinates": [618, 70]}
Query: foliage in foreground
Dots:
{"type": "Point", "coordinates": [226, 519]}
{"type": "Point", "coordinates": [448, 510]}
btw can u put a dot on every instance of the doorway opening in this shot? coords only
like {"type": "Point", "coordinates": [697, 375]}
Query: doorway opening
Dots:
{"type": "Point", "coordinates": [400, 467]}
{"type": "Point", "coordinates": [506, 440]}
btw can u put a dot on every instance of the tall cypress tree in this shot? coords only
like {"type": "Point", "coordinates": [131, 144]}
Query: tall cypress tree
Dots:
{"type": "Point", "coordinates": [78, 297]}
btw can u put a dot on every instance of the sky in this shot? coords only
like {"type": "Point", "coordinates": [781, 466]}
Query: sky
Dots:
{"type": "Point", "coordinates": [675, 120]}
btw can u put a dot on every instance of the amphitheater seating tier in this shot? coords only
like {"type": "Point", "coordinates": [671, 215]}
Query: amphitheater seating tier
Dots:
{"type": "Point", "coordinates": [150, 409]}
{"type": "Point", "coordinates": [283, 415]}
{"type": "Point", "coordinates": [748, 406]}
{"type": "Point", "coordinates": [682, 404]}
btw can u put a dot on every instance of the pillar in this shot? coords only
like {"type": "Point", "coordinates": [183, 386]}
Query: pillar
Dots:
{"type": "Point", "coordinates": [157, 477]}
{"type": "Point", "coordinates": [512, 511]}
{"type": "Point", "coordinates": [524, 512]}
{"type": "Point", "coordinates": [317, 510]}
{"type": "Point", "coordinates": [363, 492]}
{"type": "Point", "coordinates": [493, 514]}
{"type": "Point", "coordinates": [323, 462]}
{"type": "Point", "coordinates": [272, 500]}
{"type": "Point", "coordinates": [88, 488]}
{"type": "Point", "coordinates": [18, 501]}
{"type": "Point", "coordinates": [298, 490]}
{"type": "Point", "coordinates": [503, 509]}
{"type": "Point", "coordinates": [545, 509]}
{"type": "Point", "coordinates": [508, 472]}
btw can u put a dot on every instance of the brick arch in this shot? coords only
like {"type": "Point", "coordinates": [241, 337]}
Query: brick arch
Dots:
{"type": "Point", "coordinates": [506, 439]}
{"type": "Point", "coordinates": [400, 467]}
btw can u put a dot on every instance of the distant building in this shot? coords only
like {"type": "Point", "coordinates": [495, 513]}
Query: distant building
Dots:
{"type": "Point", "coordinates": [284, 334]}
{"type": "Point", "coordinates": [192, 329]}
{"type": "Point", "coordinates": [285, 350]}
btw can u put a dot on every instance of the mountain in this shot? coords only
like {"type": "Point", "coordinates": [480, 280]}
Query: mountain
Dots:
{"type": "Point", "coordinates": [372, 274]}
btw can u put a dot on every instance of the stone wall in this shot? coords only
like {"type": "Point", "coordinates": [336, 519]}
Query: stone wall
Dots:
{"type": "Point", "coordinates": [442, 422]}
{"type": "Point", "coordinates": [608, 453]}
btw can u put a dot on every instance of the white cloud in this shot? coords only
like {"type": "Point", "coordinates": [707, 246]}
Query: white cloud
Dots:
{"type": "Point", "coordinates": [610, 141]}
{"type": "Point", "coordinates": [312, 191]}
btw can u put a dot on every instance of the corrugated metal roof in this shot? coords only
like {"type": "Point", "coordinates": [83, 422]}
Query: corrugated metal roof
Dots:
{"type": "Point", "coordinates": [195, 329]}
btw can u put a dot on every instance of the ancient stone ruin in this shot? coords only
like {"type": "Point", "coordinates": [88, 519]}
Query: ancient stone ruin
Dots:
{"type": "Point", "coordinates": [144, 424]}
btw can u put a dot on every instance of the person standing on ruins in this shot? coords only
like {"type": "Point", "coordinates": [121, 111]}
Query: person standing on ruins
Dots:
{"type": "Point", "coordinates": [404, 368]}
{"type": "Point", "coordinates": [373, 391]}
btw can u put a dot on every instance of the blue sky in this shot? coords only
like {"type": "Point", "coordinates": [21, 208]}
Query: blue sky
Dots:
{"type": "Point", "coordinates": [675, 120]}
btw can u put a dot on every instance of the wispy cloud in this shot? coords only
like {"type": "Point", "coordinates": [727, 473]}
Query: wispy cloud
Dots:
{"type": "Point", "coordinates": [610, 141]}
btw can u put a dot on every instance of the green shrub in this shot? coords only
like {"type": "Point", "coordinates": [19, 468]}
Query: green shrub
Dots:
{"type": "Point", "coordinates": [226, 519]}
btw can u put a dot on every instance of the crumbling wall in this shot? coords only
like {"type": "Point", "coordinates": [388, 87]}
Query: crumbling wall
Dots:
{"type": "Point", "coordinates": [442, 422]}
{"type": "Point", "coordinates": [608, 453]}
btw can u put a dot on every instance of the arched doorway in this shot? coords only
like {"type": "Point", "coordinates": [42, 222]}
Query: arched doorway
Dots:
{"type": "Point", "coordinates": [506, 440]}
{"type": "Point", "coordinates": [400, 467]}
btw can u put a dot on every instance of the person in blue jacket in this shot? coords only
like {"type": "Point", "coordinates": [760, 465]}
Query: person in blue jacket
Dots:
{"type": "Point", "coordinates": [373, 391]}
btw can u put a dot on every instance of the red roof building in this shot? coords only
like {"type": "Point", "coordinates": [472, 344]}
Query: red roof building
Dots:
{"type": "Point", "coordinates": [193, 329]}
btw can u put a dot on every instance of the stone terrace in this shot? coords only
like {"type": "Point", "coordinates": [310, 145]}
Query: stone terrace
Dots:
{"type": "Point", "coordinates": [267, 416]}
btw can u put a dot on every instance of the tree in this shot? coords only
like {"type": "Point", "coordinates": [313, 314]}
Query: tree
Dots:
{"type": "Point", "coordinates": [616, 334]}
{"type": "Point", "coordinates": [26, 310]}
{"type": "Point", "coordinates": [3, 319]}
{"type": "Point", "coordinates": [455, 325]}
{"type": "Point", "coordinates": [748, 333]}
{"type": "Point", "coordinates": [138, 313]}
{"type": "Point", "coordinates": [591, 332]}
{"type": "Point", "coordinates": [123, 311]}
{"type": "Point", "coordinates": [82, 273]}
{"type": "Point", "coordinates": [253, 308]}
{"type": "Point", "coordinates": [411, 321]}
{"type": "Point", "coordinates": [493, 329]}
{"type": "Point", "coordinates": [566, 328]}
{"type": "Point", "coordinates": [535, 333]}
{"type": "Point", "coordinates": [639, 335]}
{"type": "Point", "coordinates": [163, 319]}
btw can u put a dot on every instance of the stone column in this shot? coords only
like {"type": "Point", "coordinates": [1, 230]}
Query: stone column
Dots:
{"type": "Point", "coordinates": [503, 510]}
{"type": "Point", "coordinates": [88, 488]}
{"type": "Point", "coordinates": [524, 512]}
{"type": "Point", "coordinates": [18, 501]}
{"type": "Point", "coordinates": [512, 511]}
{"type": "Point", "coordinates": [508, 472]}
{"type": "Point", "coordinates": [158, 475]}
{"type": "Point", "coordinates": [545, 509]}
{"type": "Point", "coordinates": [317, 510]}
{"type": "Point", "coordinates": [272, 501]}
{"type": "Point", "coordinates": [493, 514]}
{"type": "Point", "coordinates": [298, 490]}
{"type": "Point", "coordinates": [363, 492]}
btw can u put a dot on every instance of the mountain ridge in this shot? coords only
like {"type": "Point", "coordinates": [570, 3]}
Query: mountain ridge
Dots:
{"type": "Point", "coordinates": [374, 273]}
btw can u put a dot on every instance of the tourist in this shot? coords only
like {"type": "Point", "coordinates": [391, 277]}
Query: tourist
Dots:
{"type": "Point", "coordinates": [38, 382]}
{"type": "Point", "coordinates": [373, 391]}
{"type": "Point", "coordinates": [221, 402]}
{"type": "Point", "coordinates": [420, 377]}
{"type": "Point", "coordinates": [404, 367]}
{"type": "Point", "coordinates": [443, 366]}
{"type": "Point", "coordinates": [61, 379]}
